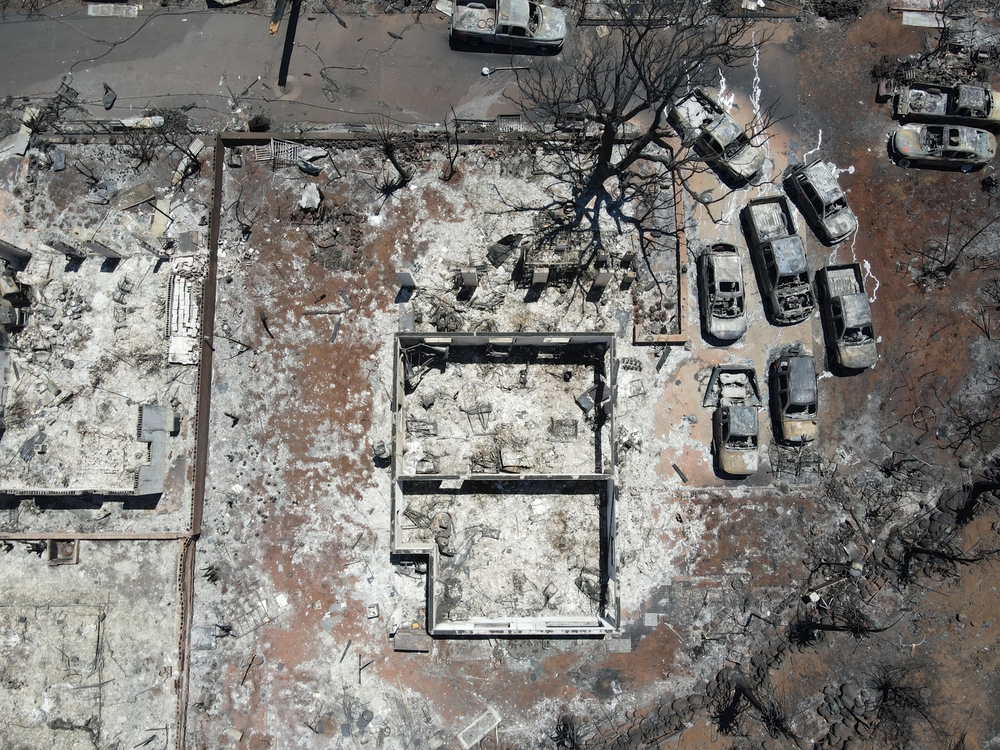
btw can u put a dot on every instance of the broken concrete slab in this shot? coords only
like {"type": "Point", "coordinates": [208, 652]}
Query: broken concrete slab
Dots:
{"type": "Point", "coordinates": [190, 155]}
{"type": "Point", "coordinates": [15, 145]}
{"type": "Point", "coordinates": [132, 196]}
{"type": "Point", "coordinates": [483, 725]}
{"type": "Point", "coordinates": [161, 218]}
{"type": "Point", "coordinates": [100, 194]}
{"type": "Point", "coordinates": [311, 153]}
{"type": "Point", "coordinates": [112, 10]}
{"type": "Point", "coordinates": [311, 198]}
{"type": "Point", "coordinates": [142, 123]}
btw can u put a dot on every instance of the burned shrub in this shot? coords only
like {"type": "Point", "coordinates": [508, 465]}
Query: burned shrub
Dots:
{"type": "Point", "coordinates": [836, 10]}
{"type": "Point", "coordinates": [901, 702]}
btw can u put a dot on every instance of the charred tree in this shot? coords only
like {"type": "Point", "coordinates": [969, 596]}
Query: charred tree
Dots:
{"type": "Point", "coordinates": [140, 145]}
{"type": "Point", "coordinates": [451, 147]}
{"type": "Point", "coordinates": [654, 53]}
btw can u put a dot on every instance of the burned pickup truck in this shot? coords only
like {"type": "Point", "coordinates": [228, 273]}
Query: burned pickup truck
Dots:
{"type": "Point", "coordinates": [780, 259]}
{"type": "Point", "coordinates": [794, 398]}
{"type": "Point", "coordinates": [508, 23]}
{"type": "Point", "coordinates": [967, 104]}
{"type": "Point", "coordinates": [720, 290]}
{"type": "Point", "coordinates": [847, 316]}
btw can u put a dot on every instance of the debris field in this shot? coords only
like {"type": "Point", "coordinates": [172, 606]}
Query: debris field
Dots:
{"type": "Point", "coordinates": [362, 448]}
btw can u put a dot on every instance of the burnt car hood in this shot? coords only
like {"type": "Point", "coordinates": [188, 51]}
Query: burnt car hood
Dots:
{"type": "Point", "coordinates": [739, 462]}
{"type": "Point", "coordinates": [727, 329]}
{"type": "Point", "coordinates": [858, 356]}
{"type": "Point", "coordinates": [841, 225]}
{"type": "Point", "coordinates": [553, 26]}
{"type": "Point", "coordinates": [799, 430]}
{"type": "Point", "coordinates": [748, 161]}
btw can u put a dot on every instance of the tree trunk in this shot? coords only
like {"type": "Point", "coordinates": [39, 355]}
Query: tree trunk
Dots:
{"type": "Point", "coordinates": [603, 169]}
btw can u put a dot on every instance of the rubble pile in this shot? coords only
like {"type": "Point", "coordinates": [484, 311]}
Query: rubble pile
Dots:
{"type": "Point", "coordinates": [89, 349]}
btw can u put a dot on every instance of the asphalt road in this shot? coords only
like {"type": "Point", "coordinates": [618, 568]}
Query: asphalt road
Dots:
{"type": "Point", "coordinates": [394, 65]}
{"type": "Point", "coordinates": [172, 59]}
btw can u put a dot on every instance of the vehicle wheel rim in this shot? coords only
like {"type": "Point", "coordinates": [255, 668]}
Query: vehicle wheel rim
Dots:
{"type": "Point", "coordinates": [966, 167]}
{"type": "Point", "coordinates": [904, 163]}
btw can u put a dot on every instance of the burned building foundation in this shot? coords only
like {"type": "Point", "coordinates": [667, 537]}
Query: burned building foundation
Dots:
{"type": "Point", "coordinates": [504, 478]}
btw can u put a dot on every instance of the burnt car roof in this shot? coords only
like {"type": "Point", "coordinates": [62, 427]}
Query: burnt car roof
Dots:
{"type": "Point", "coordinates": [953, 137]}
{"type": "Point", "coordinates": [727, 265]}
{"type": "Point", "coordinates": [789, 256]}
{"type": "Point", "coordinates": [857, 311]}
{"type": "Point", "coordinates": [725, 129]}
{"type": "Point", "coordinates": [742, 420]}
{"type": "Point", "coordinates": [801, 380]}
{"type": "Point", "coordinates": [972, 97]}
{"type": "Point", "coordinates": [823, 180]}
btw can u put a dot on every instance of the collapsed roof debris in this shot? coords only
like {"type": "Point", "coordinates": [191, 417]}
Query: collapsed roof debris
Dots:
{"type": "Point", "coordinates": [184, 311]}
{"type": "Point", "coordinates": [92, 402]}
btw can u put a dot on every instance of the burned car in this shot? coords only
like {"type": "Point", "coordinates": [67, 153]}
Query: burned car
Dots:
{"type": "Point", "coordinates": [943, 146]}
{"type": "Point", "coordinates": [508, 23]}
{"type": "Point", "coordinates": [721, 292]}
{"type": "Point", "coordinates": [794, 398]}
{"type": "Point", "coordinates": [968, 104]}
{"type": "Point", "coordinates": [735, 438]}
{"type": "Point", "coordinates": [815, 190]}
{"type": "Point", "coordinates": [702, 122]}
{"type": "Point", "coordinates": [733, 391]}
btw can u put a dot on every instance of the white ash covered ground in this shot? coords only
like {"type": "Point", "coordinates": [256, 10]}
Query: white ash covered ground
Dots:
{"type": "Point", "coordinates": [513, 550]}
{"type": "Point", "coordinates": [81, 375]}
{"type": "Point", "coordinates": [493, 417]}
{"type": "Point", "coordinates": [89, 652]}
{"type": "Point", "coordinates": [296, 505]}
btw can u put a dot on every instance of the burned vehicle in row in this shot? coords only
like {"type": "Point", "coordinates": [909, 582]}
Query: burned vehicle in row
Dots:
{"type": "Point", "coordinates": [701, 121]}
{"type": "Point", "coordinates": [816, 192]}
{"type": "Point", "coordinates": [780, 259]}
{"type": "Point", "coordinates": [952, 146]}
{"type": "Point", "coordinates": [794, 398]}
{"type": "Point", "coordinates": [733, 390]}
{"type": "Point", "coordinates": [847, 316]}
{"type": "Point", "coordinates": [518, 24]}
{"type": "Point", "coordinates": [967, 104]}
{"type": "Point", "coordinates": [721, 292]}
